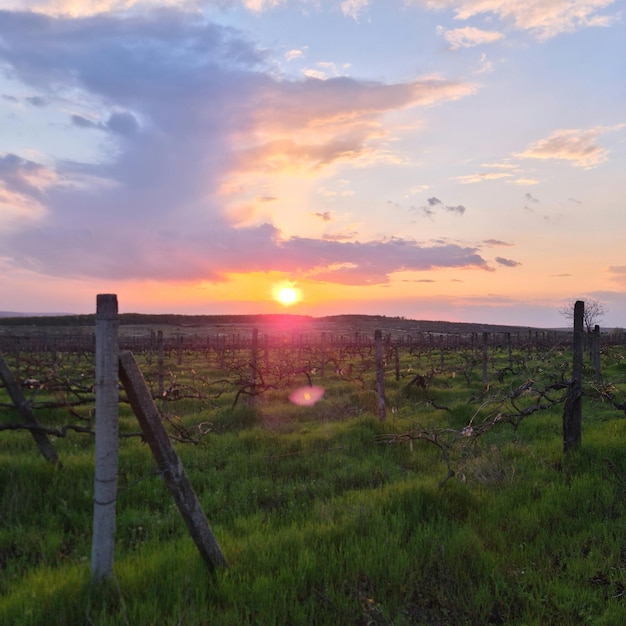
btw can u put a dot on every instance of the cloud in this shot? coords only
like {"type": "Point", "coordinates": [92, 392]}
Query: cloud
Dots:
{"type": "Point", "coordinates": [24, 176]}
{"type": "Point", "coordinates": [261, 5]}
{"type": "Point", "coordinates": [22, 186]}
{"type": "Point", "coordinates": [122, 123]}
{"type": "Point", "coordinates": [484, 65]}
{"type": "Point", "coordinates": [326, 69]}
{"type": "Point", "coordinates": [291, 55]}
{"type": "Point", "coordinates": [74, 8]}
{"type": "Point", "coordinates": [496, 242]}
{"type": "Point", "coordinates": [353, 8]}
{"type": "Point", "coordinates": [460, 209]}
{"type": "Point", "coordinates": [325, 216]}
{"type": "Point", "coordinates": [161, 254]}
{"type": "Point", "coordinates": [345, 236]}
{"type": "Point", "coordinates": [468, 37]}
{"type": "Point", "coordinates": [538, 16]}
{"type": "Point", "coordinates": [479, 178]}
{"type": "Point", "coordinates": [189, 114]}
{"type": "Point", "coordinates": [503, 166]}
{"type": "Point", "coordinates": [524, 181]}
{"type": "Point", "coordinates": [37, 101]}
{"type": "Point", "coordinates": [506, 262]}
{"type": "Point", "coordinates": [83, 122]}
{"type": "Point", "coordinates": [575, 145]}
{"type": "Point", "coordinates": [435, 204]}
{"type": "Point", "coordinates": [541, 18]}
{"type": "Point", "coordinates": [372, 262]}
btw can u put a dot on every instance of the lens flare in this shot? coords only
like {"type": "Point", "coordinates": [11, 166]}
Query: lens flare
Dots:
{"type": "Point", "coordinates": [306, 396]}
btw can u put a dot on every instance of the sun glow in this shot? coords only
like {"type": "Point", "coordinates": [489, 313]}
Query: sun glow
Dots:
{"type": "Point", "coordinates": [286, 294]}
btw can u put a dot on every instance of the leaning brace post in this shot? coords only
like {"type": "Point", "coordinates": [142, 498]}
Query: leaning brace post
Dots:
{"type": "Point", "coordinates": [572, 411]}
{"type": "Point", "coordinates": [26, 412]}
{"type": "Point", "coordinates": [380, 374]}
{"type": "Point", "coordinates": [106, 404]}
{"type": "Point", "coordinates": [167, 460]}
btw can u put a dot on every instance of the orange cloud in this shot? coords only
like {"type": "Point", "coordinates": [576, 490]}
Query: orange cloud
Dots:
{"type": "Point", "coordinates": [576, 145]}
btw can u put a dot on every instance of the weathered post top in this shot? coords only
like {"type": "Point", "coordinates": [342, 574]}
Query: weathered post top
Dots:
{"type": "Point", "coordinates": [579, 314]}
{"type": "Point", "coordinates": [106, 306]}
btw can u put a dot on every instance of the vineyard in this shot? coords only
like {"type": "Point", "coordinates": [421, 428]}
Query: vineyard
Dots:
{"type": "Point", "coordinates": [424, 484]}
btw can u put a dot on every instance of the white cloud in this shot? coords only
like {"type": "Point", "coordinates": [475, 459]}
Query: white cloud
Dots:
{"type": "Point", "coordinates": [468, 37]}
{"type": "Point", "coordinates": [291, 55]}
{"type": "Point", "coordinates": [503, 166]}
{"type": "Point", "coordinates": [318, 74]}
{"type": "Point", "coordinates": [481, 177]}
{"type": "Point", "coordinates": [353, 8]}
{"type": "Point", "coordinates": [326, 69]}
{"type": "Point", "coordinates": [261, 5]}
{"type": "Point", "coordinates": [542, 18]}
{"type": "Point", "coordinates": [524, 181]}
{"type": "Point", "coordinates": [484, 65]}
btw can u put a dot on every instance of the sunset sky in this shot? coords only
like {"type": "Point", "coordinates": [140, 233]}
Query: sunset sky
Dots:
{"type": "Point", "coordinates": [455, 160]}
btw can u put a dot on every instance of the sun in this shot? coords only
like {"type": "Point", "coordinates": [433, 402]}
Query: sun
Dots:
{"type": "Point", "coordinates": [286, 294]}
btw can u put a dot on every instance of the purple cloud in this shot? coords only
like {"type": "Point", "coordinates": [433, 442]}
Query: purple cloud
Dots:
{"type": "Point", "coordinates": [435, 204]}
{"type": "Point", "coordinates": [21, 175]}
{"type": "Point", "coordinates": [506, 262]}
{"type": "Point", "coordinates": [178, 100]}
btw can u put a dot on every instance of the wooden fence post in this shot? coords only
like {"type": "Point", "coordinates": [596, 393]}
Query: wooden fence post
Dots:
{"type": "Point", "coordinates": [380, 375]}
{"type": "Point", "coordinates": [179, 350]}
{"type": "Point", "coordinates": [266, 352]}
{"type": "Point", "coordinates": [441, 351]}
{"type": "Point", "coordinates": [510, 351]}
{"type": "Point", "coordinates": [485, 378]}
{"type": "Point", "coordinates": [254, 349]}
{"type": "Point", "coordinates": [106, 405]}
{"type": "Point", "coordinates": [26, 412]}
{"type": "Point", "coordinates": [595, 354]}
{"type": "Point", "coordinates": [572, 410]}
{"type": "Point", "coordinates": [167, 460]}
{"type": "Point", "coordinates": [396, 357]}
{"type": "Point", "coordinates": [160, 349]}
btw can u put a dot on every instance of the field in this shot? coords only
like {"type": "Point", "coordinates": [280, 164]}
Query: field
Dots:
{"type": "Point", "coordinates": [459, 507]}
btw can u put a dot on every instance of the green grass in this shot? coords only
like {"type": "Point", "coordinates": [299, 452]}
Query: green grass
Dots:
{"type": "Point", "coordinates": [320, 523]}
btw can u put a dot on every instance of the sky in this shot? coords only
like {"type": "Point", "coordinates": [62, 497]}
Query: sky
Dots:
{"type": "Point", "coordinates": [460, 160]}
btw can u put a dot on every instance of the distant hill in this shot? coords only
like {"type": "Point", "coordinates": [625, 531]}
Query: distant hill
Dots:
{"type": "Point", "coordinates": [17, 314]}
{"type": "Point", "coordinates": [266, 322]}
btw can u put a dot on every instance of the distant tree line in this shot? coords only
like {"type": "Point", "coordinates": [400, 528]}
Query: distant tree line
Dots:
{"type": "Point", "coordinates": [157, 319]}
